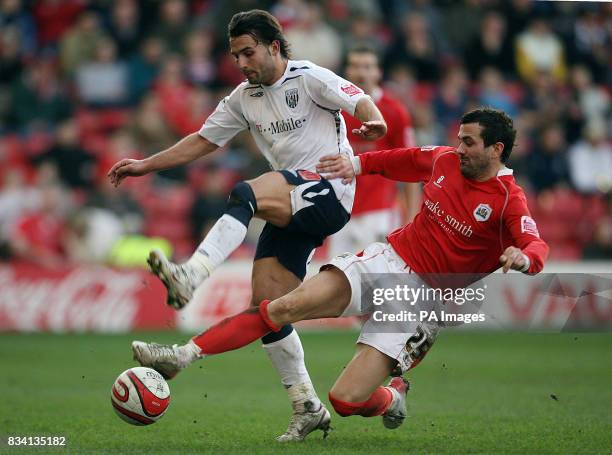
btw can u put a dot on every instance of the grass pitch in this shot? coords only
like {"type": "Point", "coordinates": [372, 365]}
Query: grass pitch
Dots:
{"type": "Point", "coordinates": [475, 392]}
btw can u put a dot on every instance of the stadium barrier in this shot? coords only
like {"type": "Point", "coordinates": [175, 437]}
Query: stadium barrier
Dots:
{"type": "Point", "coordinates": [92, 298]}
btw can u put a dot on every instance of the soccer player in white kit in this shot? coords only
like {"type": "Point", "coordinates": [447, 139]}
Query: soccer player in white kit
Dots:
{"type": "Point", "coordinates": [292, 109]}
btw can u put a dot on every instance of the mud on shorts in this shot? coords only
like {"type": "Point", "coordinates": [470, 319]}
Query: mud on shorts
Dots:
{"type": "Point", "coordinates": [407, 342]}
{"type": "Point", "coordinates": [317, 213]}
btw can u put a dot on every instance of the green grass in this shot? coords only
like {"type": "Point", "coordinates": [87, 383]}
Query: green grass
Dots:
{"type": "Point", "coordinates": [475, 392]}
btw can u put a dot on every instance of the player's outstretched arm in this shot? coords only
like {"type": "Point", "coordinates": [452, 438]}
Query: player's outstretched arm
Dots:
{"type": "Point", "coordinates": [185, 151]}
{"type": "Point", "coordinates": [336, 167]}
{"type": "Point", "coordinates": [373, 125]}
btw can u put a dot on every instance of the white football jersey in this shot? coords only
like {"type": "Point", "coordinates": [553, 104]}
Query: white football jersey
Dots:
{"type": "Point", "coordinates": [294, 122]}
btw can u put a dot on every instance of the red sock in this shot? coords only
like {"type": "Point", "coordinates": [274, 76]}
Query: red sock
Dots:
{"type": "Point", "coordinates": [236, 331]}
{"type": "Point", "coordinates": [376, 405]}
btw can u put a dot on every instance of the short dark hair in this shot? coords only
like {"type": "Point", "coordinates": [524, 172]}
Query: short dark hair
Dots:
{"type": "Point", "coordinates": [262, 26]}
{"type": "Point", "coordinates": [363, 49]}
{"type": "Point", "coordinates": [497, 126]}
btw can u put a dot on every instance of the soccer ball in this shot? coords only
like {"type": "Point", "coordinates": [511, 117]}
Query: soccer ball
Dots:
{"type": "Point", "coordinates": [140, 396]}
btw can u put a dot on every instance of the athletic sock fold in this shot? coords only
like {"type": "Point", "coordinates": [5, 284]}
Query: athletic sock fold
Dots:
{"type": "Point", "coordinates": [376, 405]}
{"type": "Point", "coordinates": [236, 331]}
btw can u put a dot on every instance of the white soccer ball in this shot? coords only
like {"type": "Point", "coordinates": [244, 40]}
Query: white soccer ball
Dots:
{"type": "Point", "coordinates": [140, 396]}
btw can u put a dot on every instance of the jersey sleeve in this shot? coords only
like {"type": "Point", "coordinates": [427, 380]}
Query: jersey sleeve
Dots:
{"type": "Point", "coordinates": [524, 232]}
{"type": "Point", "coordinates": [332, 92]}
{"type": "Point", "coordinates": [226, 121]}
{"type": "Point", "coordinates": [402, 164]}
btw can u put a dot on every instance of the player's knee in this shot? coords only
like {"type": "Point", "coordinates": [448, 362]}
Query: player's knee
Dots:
{"type": "Point", "coordinates": [341, 405]}
{"type": "Point", "coordinates": [343, 394]}
{"type": "Point", "coordinates": [242, 203]}
{"type": "Point", "coordinates": [283, 311]}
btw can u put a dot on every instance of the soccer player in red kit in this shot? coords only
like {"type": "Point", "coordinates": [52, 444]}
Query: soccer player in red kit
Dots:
{"type": "Point", "coordinates": [375, 211]}
{"type": "Point", "coordinates": [474, 219]}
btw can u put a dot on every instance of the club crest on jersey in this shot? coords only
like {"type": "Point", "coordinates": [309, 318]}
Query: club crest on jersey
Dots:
{"type": "Point", "coordinates": [292, 97]}
{"type": "Point", "coordinates": [482, 212]}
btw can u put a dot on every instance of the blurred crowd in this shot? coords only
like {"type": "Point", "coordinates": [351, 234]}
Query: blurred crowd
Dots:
{"type": "Point", "coordinates": [84, 83]}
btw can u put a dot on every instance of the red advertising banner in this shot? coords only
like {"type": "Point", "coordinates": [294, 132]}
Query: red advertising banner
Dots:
{"type": "Point", "coordinates": [83, 298]}
{"type": "Point", "coordinates": [102, 299]}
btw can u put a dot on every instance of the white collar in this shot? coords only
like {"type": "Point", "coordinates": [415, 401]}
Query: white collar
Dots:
{"type": "Point", "coordinates": [505, 171]}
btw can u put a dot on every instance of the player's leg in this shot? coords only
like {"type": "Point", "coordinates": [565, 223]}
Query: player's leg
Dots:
{"type": "Point", "coordinates": [267, 197]}
{"type": "Point", "coordinates": [327, 294]}
{"type": "Point", "coordinates": [358, 391]}
{"type": "Point", "coordinates": [284, 348]}
{"type": "Point", "coordinates": [383, 349]}
{"type": "Point", "coordinates": [335, 291]}
{"type": "Point", "coordinates": [363, 230]}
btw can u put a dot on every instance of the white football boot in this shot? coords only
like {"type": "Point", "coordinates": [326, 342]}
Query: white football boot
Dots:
{"type": "Point", "coordinates": [165, 359]}
{"type": "Point", "coordinates": [180, 280]}
{"type": "Point", "coordinates": [304, 421]}
{"type": "Point", "coordinates": [396, 413]}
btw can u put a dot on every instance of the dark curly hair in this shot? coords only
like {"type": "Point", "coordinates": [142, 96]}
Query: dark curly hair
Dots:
{"type": "Point", "coordinates": [497, 126]}
{"type": "Point", "coordinates": [262, 26]}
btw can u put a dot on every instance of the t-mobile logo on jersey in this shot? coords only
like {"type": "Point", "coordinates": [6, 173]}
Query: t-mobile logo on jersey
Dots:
{"type": "Point", "coordinates": [447, 221]}
{"type": "Point", "coordinates": [281, 126]}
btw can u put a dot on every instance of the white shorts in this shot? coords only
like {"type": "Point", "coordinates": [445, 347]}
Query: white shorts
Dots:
{"type": "Point", "coordinates": [409, 341]}
{"type": "Point", "coordinates": [362, 230]}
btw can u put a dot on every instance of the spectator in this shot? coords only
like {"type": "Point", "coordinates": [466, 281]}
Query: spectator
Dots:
{"type": "Point", "coordinates": [200, 65]}
{"type": "Point", "coordinates": [200, 105]}
{"type": "Point", "coordinates": [415, 48]}
{"type": "Point", "coordinates": [125, 27]}
{"type": "Point", "coordinates": [54, 18]}
{"type": "Point", "coordinates": [16, 200]}
{"type": "Point", "coordinates": [173, 90]}
{"type": "Point", "coordinates": [312, 39]}
{"type": "Point", "coordinates": [427, 130]}
{"type": "Point", "coordinates": [451, 99]}
{"type": "Point", "coordinates": [80, 42]}
{"type": "Point", "coordinates": [363, 32]}
{"type": "Point", "coordinates": [493, 91]}
{"type": "Point", "coordinates": [103, 81]}
{"type": "Point", "coordinates": [539, 50]}
{"type": "Point", "coordinates": [144, 67]}
{"type": "Point", "coordinates": [462, 22]}
{"type": "Point", "coordinates": [173, 26]}
{"type": "Point", "coordinates": [592, 43]}
{"type": "Point", "coordinates": [149, 128]}
{"type": "Point", "coordinates": [546, 100]}
{"type": "Point", "coordinates": [591, 160]}
{"type": "Point", "coordinates": [10, 58]}
{"type": "Point", "coordinates": [548, 166]}
{"type": "Point", "coordinates": [38, 237]}
{"type": "Point", "coordinates": [14, 15]}
{"type": "Point", "coordinates": [39, 98]}
{"type": "Point", "coordinates": [76, 166]}
{"type": "Point", "coordinates": [491, 48]}
{"type": "Point", "coordinates": [90, 235]}
{"type": "Point", "coordinates": [210, 201]}
{"type": "Point", "coordinates": [593, 101]}
{"type": "Point", "coordinates": [600, 247]}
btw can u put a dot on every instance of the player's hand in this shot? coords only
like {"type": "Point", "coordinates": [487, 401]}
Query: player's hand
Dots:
{"type": "Point", "coordinates": [371, 130]}
{"type": "Point", "coordinates": [336, 166]}
{"type": "Point", "coordinates": [126, 168]}
{"type": "Point", "coordinates": [512, 258]}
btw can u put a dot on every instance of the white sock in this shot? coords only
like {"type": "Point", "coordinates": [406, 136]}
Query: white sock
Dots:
{"type": "Point", "coordinates": [225, 236]}
{"type": "Point", "coordinates": [287, 356]}
{"type": "Point", "coordinates": [187, 353]}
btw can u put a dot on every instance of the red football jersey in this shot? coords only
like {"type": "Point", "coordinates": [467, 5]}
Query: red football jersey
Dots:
{"type": "Point", "coordinates": [463, 225]}
{"type": "Point", "coordinates": [374, 192]}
